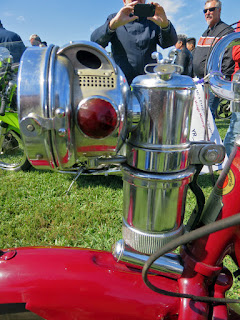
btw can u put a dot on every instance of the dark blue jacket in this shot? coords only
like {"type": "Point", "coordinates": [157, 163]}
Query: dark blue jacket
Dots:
{"type": "Point", "coordinates": [133, 43]}
{"type": "Point", "coordinates": [12, 42]}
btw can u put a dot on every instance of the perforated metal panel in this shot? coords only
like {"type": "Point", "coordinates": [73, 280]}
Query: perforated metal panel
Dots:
{"type": "Point", "coordinates": [97, 81]}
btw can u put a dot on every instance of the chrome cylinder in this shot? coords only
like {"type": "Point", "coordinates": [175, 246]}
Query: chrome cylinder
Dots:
{"type": "Point", "coordinates": [153, 207]}
{"type": "Point", "coordinates": [161, 143]}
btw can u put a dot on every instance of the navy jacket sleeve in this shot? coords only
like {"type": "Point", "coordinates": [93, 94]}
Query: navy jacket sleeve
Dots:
{"type": "Point", "coordinates": [102, 35]}
{"type": "Point", "coordinates": [168, 37]}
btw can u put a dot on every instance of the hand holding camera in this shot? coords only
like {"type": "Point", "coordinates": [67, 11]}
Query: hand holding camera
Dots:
{"type": "Point", "coordinates": [135, 10]}
{"type": "Point", "coordinates": [124, 16]}
{"type": "Point", "coordinates": [159, 17]}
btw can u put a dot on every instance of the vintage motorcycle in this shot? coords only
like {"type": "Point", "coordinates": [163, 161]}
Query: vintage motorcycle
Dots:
{"type": "Point", "coordinates": [75, 107]}
{"type": "Point", "coordinates": [12, 154]}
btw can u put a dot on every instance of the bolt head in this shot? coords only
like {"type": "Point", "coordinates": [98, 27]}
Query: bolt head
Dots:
{"type": "Point", "coordinates": [30, 127]}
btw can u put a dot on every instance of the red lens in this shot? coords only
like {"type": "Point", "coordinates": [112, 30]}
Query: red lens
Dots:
{"type": "Point", "coordinates": [97, 118]}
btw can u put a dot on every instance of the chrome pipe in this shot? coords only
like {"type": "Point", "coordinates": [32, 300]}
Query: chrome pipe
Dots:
{"type": "Point", "coordinates": [169, 264]}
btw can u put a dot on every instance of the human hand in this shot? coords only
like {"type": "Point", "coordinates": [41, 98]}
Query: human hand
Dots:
{"type": "Point", "coordinates": [122, 17]}
{"type": "Point", "coordinates": [160, 17]}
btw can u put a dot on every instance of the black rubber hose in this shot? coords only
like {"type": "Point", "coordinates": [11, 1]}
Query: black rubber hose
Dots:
{"type": "Point", "coordinates": [184, 239]}
{"type": "Point", "coordinates": [3, 106]}
{"type": "Point", "coordinates": [200, 198]}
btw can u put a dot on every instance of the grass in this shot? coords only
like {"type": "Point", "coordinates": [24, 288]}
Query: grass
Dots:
{"type": "Point", "coordinates": [222, 126]}
{"type": "Point", "coordinates": [36, 211]}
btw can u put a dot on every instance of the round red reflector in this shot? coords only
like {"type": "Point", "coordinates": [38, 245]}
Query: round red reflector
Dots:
{"type": "Point", "coordinates": [97, 118]}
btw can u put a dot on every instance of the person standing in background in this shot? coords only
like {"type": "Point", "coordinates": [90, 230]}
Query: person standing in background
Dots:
{"type": "Point", "coordinates": [191, 44]}
{"type": "Point", "coordinates": [216, 29]}
{"type": "Point", "coordinates": [133, 38]}
{"type": "Point", "coordinates": [12, 41]}
{"type": "Point", "coordinates": [36, 41]}
{"type": "Point", "coordinates": [184, 57]}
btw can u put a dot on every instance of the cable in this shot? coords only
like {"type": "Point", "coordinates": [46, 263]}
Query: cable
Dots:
{"type": "Point", "coordinates": [184, 239]}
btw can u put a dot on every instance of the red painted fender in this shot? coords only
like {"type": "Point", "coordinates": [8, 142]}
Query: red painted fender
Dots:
{"type": "Point", "coordinates": [72, 283]}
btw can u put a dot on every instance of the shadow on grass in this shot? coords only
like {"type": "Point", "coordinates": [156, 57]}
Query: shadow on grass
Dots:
{"type": "Point", "coordinates": [111, 181]}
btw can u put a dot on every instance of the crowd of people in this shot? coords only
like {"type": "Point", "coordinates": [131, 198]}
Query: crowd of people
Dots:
{"type": "Point", "coordinates": [134, 38]}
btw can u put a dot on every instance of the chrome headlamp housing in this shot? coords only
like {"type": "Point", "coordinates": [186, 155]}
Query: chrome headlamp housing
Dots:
{"type": "Point", "coordinates": [72, 104]}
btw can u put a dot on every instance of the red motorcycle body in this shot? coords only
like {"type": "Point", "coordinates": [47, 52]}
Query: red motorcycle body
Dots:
{"type": "Point", "coordinates": [70, 283]}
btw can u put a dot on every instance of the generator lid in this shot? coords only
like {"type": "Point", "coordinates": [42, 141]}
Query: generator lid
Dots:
{"type": "Point", "coordinates": [164, 76]}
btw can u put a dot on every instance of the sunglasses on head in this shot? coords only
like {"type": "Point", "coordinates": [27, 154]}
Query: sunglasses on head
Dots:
{"type": "Point", "coordinates": [209, 9]}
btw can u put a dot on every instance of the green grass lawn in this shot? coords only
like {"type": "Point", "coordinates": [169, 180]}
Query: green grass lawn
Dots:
{"type": "Point", "coordinates": [36, 211]}
{"type": "Point", "coordinates": [222, 126]}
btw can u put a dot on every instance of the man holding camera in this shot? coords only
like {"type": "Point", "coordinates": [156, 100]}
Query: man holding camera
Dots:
{"type": "Point", "coordinates": [134, 37]}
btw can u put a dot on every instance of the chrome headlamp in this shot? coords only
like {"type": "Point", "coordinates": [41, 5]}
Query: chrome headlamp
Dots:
{"type": "Point", "coordinates": [72, 105]}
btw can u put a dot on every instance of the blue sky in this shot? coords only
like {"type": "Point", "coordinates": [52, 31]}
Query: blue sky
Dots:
{"type": "Point", "coordinates": [59, 22]}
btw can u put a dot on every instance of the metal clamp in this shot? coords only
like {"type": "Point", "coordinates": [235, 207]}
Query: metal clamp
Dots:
{"type": "Point", "coordinates": [33, 124]}
{"type": "Point", "coordinates": [206, 153]}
